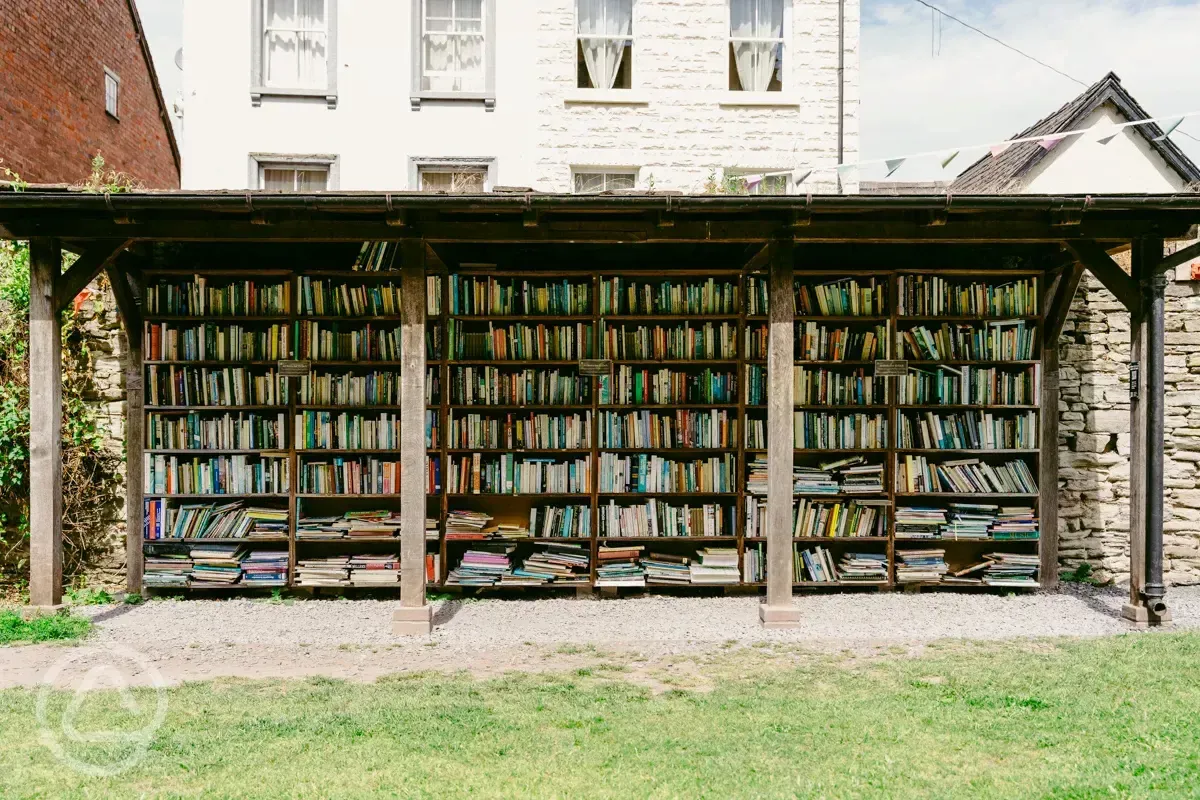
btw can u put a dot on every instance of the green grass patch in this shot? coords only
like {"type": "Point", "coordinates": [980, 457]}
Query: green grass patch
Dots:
{"type": "Point", "coordinates": [44, 628]}
{"type": "Point", "coordinates": [1063, 719]}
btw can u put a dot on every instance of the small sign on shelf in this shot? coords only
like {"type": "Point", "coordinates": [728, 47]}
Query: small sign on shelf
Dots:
{"type": "Point", "coordinates": [891, 368]}
{"type": "Point", "coordinates": [295, 369]}
{"type": "Point", "coordinates": [595, 366]}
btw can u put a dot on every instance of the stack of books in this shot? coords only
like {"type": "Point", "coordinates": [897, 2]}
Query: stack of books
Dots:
{"type": "Point", "coordinates": [620, 566]}
{"type": "Point", "coordinates": [861, 478]}
{"type": "Point", "coordinates": [716, 565]}
{"type": "Point", "coordinates": [969, 521]}
{"type": "Point", "coordinates": [265, 568]}
{"type": "Point", "coordinates": [372, 524]}
{"type": "Point", "coordinates": [467, 524]}
{"type": "Point", "coordinates": [1015, 523]}
{"type": "Point", "coordinates": [815, 565]}
{"type": "Point", "coordinates": [920, 566]}
{"type": "Point", "coordinates": [919, 523]}
{"type": "Point", "coordinates": [756, 483]}
{"type": "Point", "coordinates": [216, 564]}
{"type": "Point", "coordinates": [863, 568]}
{"type": "Point", "coordinates": [320, 528]}
{"type": "Point", "coordinates": [167, 570]}
{"type": "Point", "coordinates": [670, 569]}
{"type": "Point", "coordinates": [555, 563]}
{"type": "Point", "coordinates": [432, 529]}
{"type": "Point", "coordinates": [481, 567]}
{"type": "Point", "coordinates": [374, 570]}
{"type": "Point", "coordinates": [1011, 569]}
{"type": "Point", "coordinates": [332, 571]}
{"type": "Point", "coordinates": [807, 480]}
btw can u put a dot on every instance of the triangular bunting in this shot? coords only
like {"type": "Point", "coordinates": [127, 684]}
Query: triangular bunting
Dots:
{"type": "Point", "coordinates": [844, 169]}
{"type": "Point", "coordinates": [998, 150]}
{"type": "Point", "coordinates": [946, 161]}
{"type": "Point", "coordinates": [1108, 137]}
{"type": "Point", "coordinates": [894, 164]}
{"type": "Point", "coordinates": [1050, 142]}
{"type": "Point", "coordinates": [800, 176]}
{"type": "Point", "coordinates": [1169, 130]}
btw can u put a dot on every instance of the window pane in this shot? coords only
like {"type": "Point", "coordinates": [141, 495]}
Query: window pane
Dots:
{"type": "Point", "coordinates": [469, 10]}
{"type": "Point", "coordinates": [111, 88]}
{"type": "Point", "coordinates": [619, 180]}
{"type": "Point", "coordinates": [312, 179]}
{"type": "Point", "coordinates": [439, 8]}
{"type": "Point", "coordinates": [312, 60]}
{"type": "Point", "coordinates": [281, 13]}
{"type": "Point", "coordinates": [757, 19]}
{"type": "Point", "coordinates": [588, 182]}
{"type": "Point", "coordinates": [282, 60]}
{"type": "Point", "coordinates": [466, 181]}
{"type": "Point", "coordinates": [278, 180]}
{"type": "Point", "coordinates": [311, 14]}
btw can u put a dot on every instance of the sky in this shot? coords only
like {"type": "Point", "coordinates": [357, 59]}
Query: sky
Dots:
{"type": "Point", "coordinates": [917, 97]}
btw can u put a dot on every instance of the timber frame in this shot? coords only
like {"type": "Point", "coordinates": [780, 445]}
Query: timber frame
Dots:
{"type": "Point", "coordinates": [1062, 235]}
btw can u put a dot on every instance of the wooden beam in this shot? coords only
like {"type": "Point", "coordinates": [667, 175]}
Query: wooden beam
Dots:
{"type": "Point", "coordinates": [1138, 430]}
{"type": "Point", "coordinates": [1057, 297]}
{"type": "Point", "coordinates": [778, 611]}
{"type": "Point", "coordinates": [415, 617]}
{"type": "Point", "coordinates": [97, 257]}
{"type": "Point", "coordinates": [131, 314]}
{"type": "Point", "coordinates": [1108, 272]}
{"type": "Point", "coordinates": [135, 423]}
{"type": "Point", "coordinates": [1066, 283]}
{"type": "Point", "coordinates": [759, 260]}
{"type": "Point", "coordinates": [1189, 253]}
{"type": "Point", "coordinates": [45, 425]}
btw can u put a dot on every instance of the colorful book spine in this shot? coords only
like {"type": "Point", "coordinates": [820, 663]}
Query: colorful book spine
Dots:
{"type": "Point", "coordinates": [687, 342]}
{"type": "Point", "coordinates": [622, 296]}
{"type": "Point", "coordinates": [206, 432]}
{"type": "Point", "coordinates": [215, 475]}
{"type": "Point", "coordinates": [657, 430]}
{"type": "Point", "coordinates": [931, 295]}
{"type": "Point", "coordinates": [517, 431]}
{"type": "Point", "coordinates": [214, 386]}
{"type": "Point", "coordinates": [212, 341]}
{"type": "Point", "coordinates": [493, 386]}
{"type": "Point", "coordinates": [489, 296]}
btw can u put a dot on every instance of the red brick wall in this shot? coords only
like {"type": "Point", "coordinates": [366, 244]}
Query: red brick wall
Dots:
{"type": "Point", "coordinates": [52, 119]}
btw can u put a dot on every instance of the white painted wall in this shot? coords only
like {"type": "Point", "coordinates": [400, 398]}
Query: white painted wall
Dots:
{"type": "Point", "coordinates": [683, 127]}
{"type": "Point", "coordinates": [1127, 164]}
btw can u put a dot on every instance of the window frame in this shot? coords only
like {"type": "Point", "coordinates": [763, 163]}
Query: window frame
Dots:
{"type": "Point", "coordinates": [730, 39]}
{"type": "Point", "coordinates": [419, 164]}
{"type": "Point", "coordinates": [419, 95]}
{"type": "Point", "coordinates": [607, 172]}
{"type": "Point", "coordinates": [632, 39]}
{"type": "Point", "coordinates": [115, 113]}
{"type": "Point", "coordinates": [742, 172]}
{"type": "Point", "coordinates": [258, 87]}
{"type": "Point", "coordinates": [264, 161]}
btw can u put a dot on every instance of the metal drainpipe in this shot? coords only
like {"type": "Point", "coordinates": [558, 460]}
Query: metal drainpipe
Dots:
{"type": "Point", "coordinates": [841, 82]}
{"type": "Point", "coordinates": [1154, 591]}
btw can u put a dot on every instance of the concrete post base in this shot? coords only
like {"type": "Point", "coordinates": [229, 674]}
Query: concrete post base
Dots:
{"type": "Point", "coordinates": [1141, 617]}
{"type": "Point", "coordinates": [413, 621]}
{"type": "Point", "coordinates": [779, 617]}
{"type": "Point", "coordinates": [29, 612]}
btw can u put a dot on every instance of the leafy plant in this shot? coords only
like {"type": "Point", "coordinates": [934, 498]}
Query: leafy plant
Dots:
{"type": "Point", "coordinates": [726, 184]}
{"type": "Point", "coordinates": [43, 628]}
{"type": "Point", "coordinates": [108, 181]}
{"type": "Point", "coordinates": [1081, 574]}
{"type": "Point", "coordinates": [80, 594]}
{"type": "Point", "coordinates": [14, 180]}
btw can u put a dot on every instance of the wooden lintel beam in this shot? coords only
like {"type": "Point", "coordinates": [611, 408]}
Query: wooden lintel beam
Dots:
{"type": "Point", "coordinates": [1094, 257]}
{"type": "Point", "coordinates": [1189, 253]}
{"type": "Point", "coordinates": [98, 256]}
{"type": "Point", "coordinates": [759, 260]}
{"type": "Point", "coordinates": [1060, 301]}
{"type": "Point", "coordinates": [127, 305]}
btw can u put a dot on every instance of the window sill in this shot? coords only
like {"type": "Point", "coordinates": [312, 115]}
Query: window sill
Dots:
{"type": "Point", "coordinates": [259, 92]}
{"type": "Point", "coordinates": [607, 97]}
{"type": "Point", "coordinates": [759, 100]}
{"type": "Point", "coordinates": [488, 100]}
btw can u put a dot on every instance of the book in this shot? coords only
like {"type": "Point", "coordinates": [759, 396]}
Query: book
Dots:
{"type": "Point", "coordinates": [629, 296]}
{"type": "Point", "coordinates": [920, 566]}
{"type": "Point", "coordinates": [932, 295]}
{"type": "Point", "coordinates": [489, 296]}
{"type": "Point", "coordinates": [655, 518]}
{"type": "Point", "coordinates": [201, 297]}
{"type": "Point", "coordinates": [681, 429]}
{"type": "Point", "coordinates": [682, 342]}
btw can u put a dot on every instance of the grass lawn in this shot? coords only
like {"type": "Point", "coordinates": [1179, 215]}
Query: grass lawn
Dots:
{"type": "Point", "coordinates": [43, 628]}
{"type": "Point", "coordinates": [1099, 718]}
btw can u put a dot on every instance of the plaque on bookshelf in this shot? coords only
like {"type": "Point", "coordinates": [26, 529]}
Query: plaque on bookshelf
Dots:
{"type": "Point", "coordinates": [595, 366]}
{"type": "Point", "coordinates": [891, 368]}
{"type": "Point", "coordinates": [294, 369]}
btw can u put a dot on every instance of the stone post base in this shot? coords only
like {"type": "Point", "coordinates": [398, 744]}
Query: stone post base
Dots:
{"type": "Point", "coordinates": [413, 621]}
{"type": "Point", "coordinates": [1141, 617]}
{"type": "Point", "coordinates": [779, 617]}
{"type": "Point", "coordinates": [29, 612]}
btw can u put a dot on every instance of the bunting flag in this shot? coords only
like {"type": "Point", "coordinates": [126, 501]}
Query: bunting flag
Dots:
{"type": "Point", "coordinates": [1051, 142]}
{"type": "Point", "coordinates": [800, 176]}
{"type": "Point", "coordinates": [1169, 130]}
{"type": "Point", "coordinates": [946, 161]}
{"type": "Point", "coordinates": [998, 150]}
{"type": "Point", "coordinates": [894, 164]}
{"type": "Point", "coordinates": [846, 169]}
{"type": "Point", "coordinates": [1108, 136]}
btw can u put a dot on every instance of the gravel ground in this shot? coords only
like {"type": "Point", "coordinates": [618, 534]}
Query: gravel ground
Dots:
{"type": "Point", "coordinates": [352, 638]}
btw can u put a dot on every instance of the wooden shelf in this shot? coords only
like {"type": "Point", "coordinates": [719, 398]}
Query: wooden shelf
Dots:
{"type": "Point", "coordinates": [278, 451]}
{"type": "Point", "coordinates": [212, 497]}
{"type": "Point", "coordinates": [209, 409]}
{"type": "Point", "coordinates": [228, 540]}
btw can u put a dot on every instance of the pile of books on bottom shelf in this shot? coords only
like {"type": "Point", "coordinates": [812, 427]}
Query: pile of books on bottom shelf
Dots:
{"type": "Point", "coordinates": [331, 571]}
{"type": "Point", "coordinates": [167, 568]}
{"type": "Point", "coordinates": [1011, 569]}
{"type": "Point", "coordinates": [754, 563]}
{"type": "Point", "coordinates": [620, 566]}
{"type": "Point", "coordinates": [374, 570]}
{"type": "Point", "coordinates": [669, 569]}
{"type": "Point", "coordinates": [717, 565]}
{"type": "Point", "coordinates": [920, 566]}
{"type": "Point", "coordinates": [216, 564]}
{"type": "Point", "coordinates": [813, 566]}
{"type": "Point", "coordinates": [863, 568]}
{"type": "Point", "coordinates": [483, 566]}
{"type": "Point", "coordinates": [555, 563]}
{"type": "Point", "coordinates": [265, 568]}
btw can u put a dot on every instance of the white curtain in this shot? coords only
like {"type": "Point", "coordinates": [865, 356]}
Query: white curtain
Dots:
{"type": "Point", "coordinates": [311, 16]}
{"type": "Point", "coordinates": [296, 45]}
{"type": "Point", "coordinates": [454, 42]}
{"type": "Point", "coordinates": [756, 61]}
{"type": "Point", "coordinates": [607, 18]}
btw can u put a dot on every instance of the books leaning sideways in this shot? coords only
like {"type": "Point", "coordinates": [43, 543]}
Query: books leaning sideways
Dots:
{"type": "Point", "coordinates": [332, 571]}
{"type": "Point", "coordinates": [620, 566]}
{"type": "Point", "coordinates": [815, 565]}
{"type": "Point", "coordinates": [213, 521]}
{"type": "Point", "coordinates": [1011, 569]}
{"type": "Point", "coordinates": [468, 525]}
{"type": "Point", "coordinates": [483, 566]}
{"type": "Point", "coordinates": [920, 566]}
{"type": "Point", "coordinates": [863, 568]}
{"type": "Point", "coordinates": [374, 570]}
{"type": "Point", "coordinates": [216, 564]}
{"type": "Point", "coordinates": [667, 568]}
{"type": "Point", "coordinates": [265, 568]}
{"type": "Point", "coordinates": [716, 565]}
{"type": "Point", "coordinates": [560, 564]}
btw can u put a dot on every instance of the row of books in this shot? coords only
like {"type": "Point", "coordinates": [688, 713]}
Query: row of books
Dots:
{"type": "Point", "coordinates": [519, 342]}
{"type": "Point", "coordinates": [654, 518]}
{"type": "Point", "coordinates": [626, 296]}
{"type": "Point", "coordinates": [824, 519]}
{"type": "Point", "coordinates": [215, 565]}
{"type": "Point", "coordinates": [377, 257]}
{"type": "Point", "coordinates": [967, 521]}
{"type": "Point", "coordinates": [632, 386]}
{"type": "Point", "coordinates": [1013, 570]}
{"type": "Point", "coordinates": [370, 524]}
{"type": "Point", "coordinates": [817, 342]}
{"type": "Point", "coordinates": [483, 296]}
{"type": "Point", "coordinates": [816, 565]}
{"type": "Point", "coordinates": [365, 569]}
{"type": "Point", "coordinates": [825, 387]}
{"type": "Point", "coordinates": [847, 297]}
{"type": "Point", "coordinates": [325, 430]}
{"type": "Point", "coordinates": [214, 387]}
{"type": "Point", "coordinates": [245, 431]}
{"type": "Point", "coordinates": [685, 342]}
{"type": "Point", "coordinates": [326, 298]}
{"type": "Point", "coordinates": [375, 388]}
{"type": "Point", "coordinates": [492, 386]}
{"type": "Point", "coordinates": [551, 522]}
{"type": "Point", "coordinates": [1013, 340]}
{"type": "Point", "coordinates": [329, 341]}
{"type": "Point", "coordinates": [650, 473]}
{"type": "Point", "coordinates": [521, 431]}
{"type": "Point", "coordinates": [931, 295]}
{"type": "Point", "coordinates": [368, 476]}
{"type": "Point", "coordinates": [915, 474]}
{"type": "Point", "coordinates": [816, 430]}
{"type": "Point", "coordinates": [197, 298]}
{"type": "Point", "coordinates": [658, 430]}
{"type": "Point", "coordinates": [210, 341]}
{"type": "Point", "coordinates": [950, 386]}
{"type": "Point", "coordinates": [506, 474]}
{"type": "Point", "coordinates": [970, 430]}
{"type": "Point", "coordinates": [163, 520]}
{"type": "Point", "coordinates": [215, 475]}
{"type": "Point", "coordinates": [852, 475]}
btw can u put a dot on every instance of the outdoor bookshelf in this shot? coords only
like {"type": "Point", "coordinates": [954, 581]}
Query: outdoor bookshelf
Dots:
{"type": "Point", "coordinates": [610, 420]}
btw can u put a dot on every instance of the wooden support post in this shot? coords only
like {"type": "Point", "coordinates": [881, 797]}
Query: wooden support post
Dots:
{"type": "Point", "coordinates": [45, 425]}
{"type": "Point", "coordinates": [135, 423]}
{"type": "Point", "coordinates": [1137, 460]}
{"type": "Point", "coordinates": [1048, 466]}
{"type": "Point", "coordinates": [415, 617]}
{"type": "Point", "coordinates": [778, 611]}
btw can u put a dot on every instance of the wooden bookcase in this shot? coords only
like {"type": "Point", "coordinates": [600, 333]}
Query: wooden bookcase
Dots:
{"type": "Point", "coordinates": [446, 406]}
